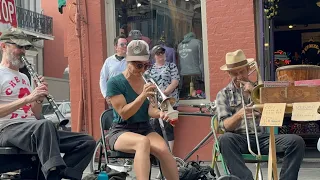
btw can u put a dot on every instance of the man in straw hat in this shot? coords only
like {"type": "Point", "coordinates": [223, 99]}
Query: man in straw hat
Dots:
{"type": "Point", "coordinates": [233, 142]}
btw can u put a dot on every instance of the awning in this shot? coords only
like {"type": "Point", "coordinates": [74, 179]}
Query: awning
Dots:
{"type": "Point", "coordinates": [61, 4]}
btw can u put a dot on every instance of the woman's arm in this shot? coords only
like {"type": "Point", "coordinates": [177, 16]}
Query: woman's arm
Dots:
{"type": "Point", "coordinates": [153, 112]}
{"type": "Point", "coordinates": [171, 87]}
{"type": "Point", "coordinates": [175, 78]}
{"type": "Point", "coordinates": [126, 110]}
{"type": "Point", "coordinates": [119, 102]}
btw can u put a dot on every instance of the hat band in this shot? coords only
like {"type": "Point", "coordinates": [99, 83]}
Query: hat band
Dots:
{"type": "Point", "coordinates": [241, 63]}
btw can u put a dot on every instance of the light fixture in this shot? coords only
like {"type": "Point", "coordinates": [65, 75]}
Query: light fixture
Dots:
{"type": "Point", "coordinates": [138, 4]}
{"type": "Point", "coordinates": [290, 26]}
{"type": "Point", "coordinates": [318, 3]}
{"type": "Point", "coordinates": [187, 0]}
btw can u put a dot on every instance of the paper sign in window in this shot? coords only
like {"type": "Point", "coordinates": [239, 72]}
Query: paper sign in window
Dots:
{"type": "Point", "coordinates": [272, 114]}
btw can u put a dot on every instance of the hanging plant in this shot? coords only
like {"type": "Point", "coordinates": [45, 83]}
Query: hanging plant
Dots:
{"type": "Point", "coordinates": [270, 8]}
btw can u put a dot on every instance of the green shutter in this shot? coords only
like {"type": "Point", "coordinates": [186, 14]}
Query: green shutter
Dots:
{"type": "Point", "coordinates": [61, 4]}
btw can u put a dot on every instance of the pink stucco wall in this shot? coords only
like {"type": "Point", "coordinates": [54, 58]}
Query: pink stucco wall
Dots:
{"type": "Point", "coordinates": [54, 61]}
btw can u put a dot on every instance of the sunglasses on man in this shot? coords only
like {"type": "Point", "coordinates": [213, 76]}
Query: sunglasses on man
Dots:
{"type": "Point", "coordinates": [19, 47]}
{"type": "Point", "coordinates": [123, 44]}
{"type": "Point", "coordinates": [140, 65]}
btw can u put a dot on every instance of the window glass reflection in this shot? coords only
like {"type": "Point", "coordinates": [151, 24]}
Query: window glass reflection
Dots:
{"type": "Point", "coordinates": [175, 25]}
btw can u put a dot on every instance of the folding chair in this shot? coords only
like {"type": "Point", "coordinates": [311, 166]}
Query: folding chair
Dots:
{"type": "Point", "coordinates": [217, 156]}
{"type": "Point", "coordinates": [106, 120]}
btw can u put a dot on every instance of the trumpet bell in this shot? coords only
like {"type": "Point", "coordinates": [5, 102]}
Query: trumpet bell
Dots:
{"type": "Point", "coordinates": [164, 105]}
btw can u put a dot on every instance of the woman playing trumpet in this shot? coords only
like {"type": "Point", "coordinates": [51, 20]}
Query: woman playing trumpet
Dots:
{"type": "Point", "coordinates": [131, 131]}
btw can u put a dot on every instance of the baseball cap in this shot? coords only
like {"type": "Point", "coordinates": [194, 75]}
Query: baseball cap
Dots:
{"type": "Point", "coordinates": [15, 36]}
{"type": "Point", "coordinates": [157, 48]}
{"type": "Point", "coordinates": [138, 50]}
{"type": "Point", "coordinates": [135, 34]}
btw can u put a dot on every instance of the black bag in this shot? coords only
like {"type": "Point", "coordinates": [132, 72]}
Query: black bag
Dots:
{"type": "Point", "coordinates": [113, 174]}
{"type": "Point", "coordinates": [193, 171]}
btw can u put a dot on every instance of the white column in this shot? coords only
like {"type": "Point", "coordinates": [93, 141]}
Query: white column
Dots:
{"type": "Point", "coordinates": [110, 25]}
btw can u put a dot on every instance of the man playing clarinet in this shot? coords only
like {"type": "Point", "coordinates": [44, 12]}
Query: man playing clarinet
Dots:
{"type": "Point", "coordinates": [20, 123]}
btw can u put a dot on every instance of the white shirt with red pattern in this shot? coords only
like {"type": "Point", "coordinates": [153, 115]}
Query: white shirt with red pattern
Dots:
{"type": "Point", "coordinates": [13, 86]}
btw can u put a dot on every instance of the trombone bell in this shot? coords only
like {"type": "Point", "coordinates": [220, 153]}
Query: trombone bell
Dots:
{"type": "Point", "coordinates": [255, 94]}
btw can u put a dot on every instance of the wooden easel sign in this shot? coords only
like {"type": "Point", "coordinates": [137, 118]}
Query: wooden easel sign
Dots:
{"type": "Point", "coordinates": [272, 116]}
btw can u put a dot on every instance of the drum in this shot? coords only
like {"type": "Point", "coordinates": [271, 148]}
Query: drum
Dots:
{"type": "Point", "coordinates": [293, 73]}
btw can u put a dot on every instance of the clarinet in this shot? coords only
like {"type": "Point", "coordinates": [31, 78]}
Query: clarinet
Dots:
{"type": "Point", "coordinates": [62, 121]}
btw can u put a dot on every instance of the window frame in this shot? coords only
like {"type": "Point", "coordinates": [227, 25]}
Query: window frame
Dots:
{"type": "Point", "coordinates": [110, 25]}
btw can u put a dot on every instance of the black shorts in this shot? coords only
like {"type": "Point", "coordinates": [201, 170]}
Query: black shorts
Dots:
{"type": "Point", "coordinates": [143, 128]}
{"type": "Point", "coordinates": [167, 127]}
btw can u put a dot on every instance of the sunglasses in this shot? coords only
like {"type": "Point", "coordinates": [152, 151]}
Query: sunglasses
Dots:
{"type": "Point", "coordinates": [20, 47]}
{"type": "Point", "coordinates": [160, 53]}
{"type": "Point", "coordinates": [140, 65]}
{"type": "Point", "coordinates": [123, 44]}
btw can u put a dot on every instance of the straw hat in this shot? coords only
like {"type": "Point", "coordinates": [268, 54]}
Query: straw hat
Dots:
{"type": "Point", "coordinates": [236, 60]}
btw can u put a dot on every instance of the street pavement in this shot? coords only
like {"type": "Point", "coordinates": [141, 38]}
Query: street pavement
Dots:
{"type": "Point", "coordinates": [310, 170]}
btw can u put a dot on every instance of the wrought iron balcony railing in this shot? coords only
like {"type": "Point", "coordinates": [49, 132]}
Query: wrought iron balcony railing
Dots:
{"type": "Point", "coordinates": [34, 21]}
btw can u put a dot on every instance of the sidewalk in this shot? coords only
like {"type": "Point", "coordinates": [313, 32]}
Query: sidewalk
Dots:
{"type": "Point", "coordinates": [310, 170]}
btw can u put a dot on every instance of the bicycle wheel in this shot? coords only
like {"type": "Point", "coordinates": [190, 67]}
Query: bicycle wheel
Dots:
{"type": "Point", "coordinates": [180, 162]}
{"type": "Point", "coordinates": [99, 156]}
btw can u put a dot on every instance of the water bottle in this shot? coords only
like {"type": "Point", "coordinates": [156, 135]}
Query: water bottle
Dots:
{"type": "Point", "coordinates": [103, 176]}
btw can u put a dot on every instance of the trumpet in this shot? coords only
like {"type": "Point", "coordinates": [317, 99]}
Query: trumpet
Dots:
{"type": "Point", "coordinates": [62, 120]}
{"type": "Point", "coordinates": [166, 103]}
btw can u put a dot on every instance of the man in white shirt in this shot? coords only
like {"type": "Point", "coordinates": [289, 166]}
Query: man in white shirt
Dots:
{"type": "Point", "coordinates": [114, 64]}
{"type": "Point", "coordinates": [20, 114]}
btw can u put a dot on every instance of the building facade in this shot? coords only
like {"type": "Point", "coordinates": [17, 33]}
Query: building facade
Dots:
{"type": "Point", "coordinates": [219, 26]}
{"type": "Point", "coordinates": [27, 16]}
{"type": "Point", "coordinates": [34, 20]}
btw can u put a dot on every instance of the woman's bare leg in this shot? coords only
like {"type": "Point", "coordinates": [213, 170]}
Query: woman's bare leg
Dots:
{"type": "Point", "coordinates": [140, 145]}
{"type": "Point", "coordinates": [159, 148]}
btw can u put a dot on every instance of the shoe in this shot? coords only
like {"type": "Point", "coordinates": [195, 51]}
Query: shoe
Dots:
{"type": "Point", "coordinates": [128, 165]}
{"type": "Point", "coordinates": [128, 162]}
{"type": "Point", "coordinates": [54, 174]}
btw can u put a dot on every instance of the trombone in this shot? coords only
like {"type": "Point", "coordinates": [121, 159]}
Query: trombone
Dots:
{"type": "Point", "coordinates": [256, 91]}
{"type": "Point", "coordinates": [255, 98]}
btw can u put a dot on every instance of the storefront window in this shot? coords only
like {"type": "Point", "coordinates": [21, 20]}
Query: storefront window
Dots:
{"type": "Point", "coordinates": [175, 25]}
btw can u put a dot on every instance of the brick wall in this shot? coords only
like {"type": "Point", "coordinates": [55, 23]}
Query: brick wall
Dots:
{"type": "Point", "coordinates": [230, 25]}
{"type": "Point", "coordinates": [54, 61]}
